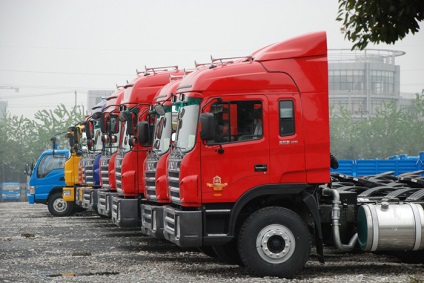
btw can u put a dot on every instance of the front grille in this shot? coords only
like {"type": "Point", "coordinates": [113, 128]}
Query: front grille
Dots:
{"type": "Point", "coordinates": [169, 224]}
{"type": "Point", "coordinates": [174, 178]}
{"type": "Point", "coordinates": [150, 177]}
{"type": "Point", "coordinates": [101, 202]}
{"type": "Point", "coordinates": [118, 173]}
{"type": "Point", "coordinates": [146, 212]}
{"type": "Point", "coordinates": [88, 169]}
{"type": "Point", "coordinates": [104, 168]}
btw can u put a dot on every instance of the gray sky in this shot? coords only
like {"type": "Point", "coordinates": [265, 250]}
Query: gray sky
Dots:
{"type": "Point", "coordinates": [51, 48]}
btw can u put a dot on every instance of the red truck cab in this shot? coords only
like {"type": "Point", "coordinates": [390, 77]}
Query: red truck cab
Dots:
{"type": "Point", "coordinates": [155, 166]}
{"type": "Point", "coordinates": [110, 136]}
{"type": "Point", "coordinates": [129, 162]}
{"type": "Point", "coordinates": [252, 147]}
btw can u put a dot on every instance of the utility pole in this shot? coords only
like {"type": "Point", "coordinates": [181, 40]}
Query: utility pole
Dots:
{"type": "Point", "coordinates": [75, 98]}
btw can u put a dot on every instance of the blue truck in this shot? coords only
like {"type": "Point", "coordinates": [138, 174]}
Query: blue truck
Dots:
{"type": "Point", "coordinates": [47, 180]}
{"type": "Point", "coordinates": [10, 191]}
{"type": "Point", "coordinates": [398, 164]}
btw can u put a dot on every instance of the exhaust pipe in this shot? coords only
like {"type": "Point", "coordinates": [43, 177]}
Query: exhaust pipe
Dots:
{"type": "Point", "coordinates": [335, 217]}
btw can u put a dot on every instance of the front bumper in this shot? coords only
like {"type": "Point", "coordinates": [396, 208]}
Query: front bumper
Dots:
{"type": "Point", "coordinates": [183, 228]}
{"type": "Point", "coordinates": [125, 212]}
{"type": "Point", "coordinates": [31, 199]}
{"type": "Point", "coordinates": [78, 196]}
{"type": "Point", "coordinates": [11, 197]}
{"type": "Point", "coordinates": [152, 220]}
{"type": "Point", "coordinates": [104, 202]}
{"type": "Point", "coordinates": [89, 198]}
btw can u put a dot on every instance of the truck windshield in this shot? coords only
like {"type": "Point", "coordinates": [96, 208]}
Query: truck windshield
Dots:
{"type": "Point", "coordinates": [188, 116]}
{"type": "Point", "coordinates": [49, 163]}
{"type": "Point", "coordinates": [162, 134]}
{"type": "Point", "coordinates": [97, 139]}
{"type": "Point", "coordinates": [125, 144]}
{"type": "Point", "coordinates": [115, 128]}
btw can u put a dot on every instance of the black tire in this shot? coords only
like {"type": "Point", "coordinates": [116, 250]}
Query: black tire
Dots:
{"type": "Point", "coordinates": [58, 207]}
{"type": "Point", "coordinates": [274, 241]}
{"type": "Point", "coordinates": [228, 253]}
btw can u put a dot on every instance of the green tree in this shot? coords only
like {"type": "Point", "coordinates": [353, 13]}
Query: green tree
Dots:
{"type": "Point", "coordinates": [390, 131]}
{"type": "Point", "coordinates": [23, 139]}
{"type": "Point", "coordinates": [49, 123]}
{"type": "Point", "coordinates": [384, 21]}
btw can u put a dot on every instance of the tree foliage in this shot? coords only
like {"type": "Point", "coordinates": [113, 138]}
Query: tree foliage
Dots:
{"type": "Point", "coordinates": [23, 139]}
{"type": "Point", "coordinates": [384, 21]}
{"type": "Point", "coordinates": [390, 132]}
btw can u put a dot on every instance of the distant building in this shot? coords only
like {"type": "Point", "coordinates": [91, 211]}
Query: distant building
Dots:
{"type": "Point", "coordinates": [361, 81]}
{"type": "Point", "coordinates": [95, 96]}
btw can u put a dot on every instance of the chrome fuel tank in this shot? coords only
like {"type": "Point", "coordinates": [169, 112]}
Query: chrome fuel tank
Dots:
{"type": "Point", "coordinates": [390, 227]}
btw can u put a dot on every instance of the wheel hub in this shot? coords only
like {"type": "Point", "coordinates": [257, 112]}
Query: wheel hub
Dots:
{"type": "Point", "coordinates": [59, 205]}
{"type": "Point", "coordinates": [275, 243]}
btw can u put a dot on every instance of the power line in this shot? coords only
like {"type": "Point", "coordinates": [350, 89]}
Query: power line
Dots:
{"type": "Point", "coordinates": [37, 95]}
{"type": "Point", "coordinates": [62, 73]}
{"type": "Point", "coordinates": [70, 88]}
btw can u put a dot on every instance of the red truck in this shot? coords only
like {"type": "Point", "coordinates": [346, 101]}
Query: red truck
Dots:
{"type": "Point", "coordinates": [252, 149]}
{"type": "Point", "coordinates": [155, 166]}
{"type": "Point", "coordinates": [136, 130]}
{"type": "Point", "coordinates": [249, 172]}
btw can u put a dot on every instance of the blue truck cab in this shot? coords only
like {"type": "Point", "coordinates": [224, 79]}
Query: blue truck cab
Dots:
{"type": "Point", "coordinates": [10, 191]}
{"type": "Point", "coordinates": [47, 180]}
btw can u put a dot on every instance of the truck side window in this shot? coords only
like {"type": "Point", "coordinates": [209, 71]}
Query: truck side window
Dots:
{"type": "Point", "coordinates": [237, 121]}
{"type": "Point", "coordinates": [286, 118]}
{"type": "Point", "coordinates": [49, 163]}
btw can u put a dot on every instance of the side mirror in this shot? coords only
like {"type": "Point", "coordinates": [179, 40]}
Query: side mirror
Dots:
{"type": "Point", "coordinates": [114, 124]}
{"type": "Point", "coordinates": [54, 144]}
{"type": "Point", "coordinates": [26, 170]}
{"type": "Point", "coordinates": [150, 141]}
{"type": "Point", "coordinates": [130, 126]}
{"type": "Point", "coordinates": [90, 144]}
{"type": "Point", "coordinates": [160, 109]}
{"type": "Point", "coordinates": [89, 129]}
{"type": "Point", "coordinates": [102, 124]}
{"type": "Point", "coordinates": [125, 115]}
{"type": "Point", "coordinates": [207, 129]}
{"type": "Point", "coordinates": [96, 115]}
{"type": "Point", "coordinates": [71, 140]}
{"type": "Point", "coordinates": [143, 132]}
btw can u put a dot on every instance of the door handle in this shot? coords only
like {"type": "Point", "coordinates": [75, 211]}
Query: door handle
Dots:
{"type": "Point", "coordinates": [62, 179]}
{"type": "Point", "coordinates": [261, 167]}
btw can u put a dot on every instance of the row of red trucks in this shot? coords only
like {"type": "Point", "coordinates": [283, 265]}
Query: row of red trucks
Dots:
{"type": "Point", "coordinates": [233, 158]}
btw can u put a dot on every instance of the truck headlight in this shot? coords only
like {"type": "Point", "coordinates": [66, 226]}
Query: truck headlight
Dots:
{"type": "Point", "coordinates": [66, 193]}
{"type": "Point", "coordinates": [31, 190]}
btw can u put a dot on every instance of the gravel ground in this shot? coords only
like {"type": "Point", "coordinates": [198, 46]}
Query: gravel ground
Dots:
{"type": "Point", "coordinates": [37, 247]}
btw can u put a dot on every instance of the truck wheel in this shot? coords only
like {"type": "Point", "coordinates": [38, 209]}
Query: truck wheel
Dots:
{"type": "Point", "coordinates": [58, 207]}
{"type": "Point", "coordinates": [228, 253]}
{"type": "Point", "coordinates": [274, 241]}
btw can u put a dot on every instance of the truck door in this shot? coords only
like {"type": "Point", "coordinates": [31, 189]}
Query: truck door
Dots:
{"type": "Point", "coordinates": [48, 173]}
{"type": "Point", "coordinates": [287, 146]}
{"type": "Point", "coordinates": [238, 158]}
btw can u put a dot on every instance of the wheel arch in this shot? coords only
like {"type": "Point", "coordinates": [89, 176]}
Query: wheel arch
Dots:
{"type": "Point", "coordinates": [283, 195]}
{"type": "Point", "coordinates": [53, 191]}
